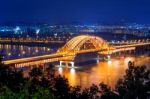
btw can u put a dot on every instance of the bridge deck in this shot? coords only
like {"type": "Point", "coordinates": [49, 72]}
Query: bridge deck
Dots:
{"type": "Point", "coordinates": [22, 60]}
{"type": "Point", "coordinates": [59, 56]}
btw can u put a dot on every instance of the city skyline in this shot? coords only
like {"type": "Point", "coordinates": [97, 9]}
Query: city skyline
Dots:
{"type": "Point", "coordinates": [75, 11]}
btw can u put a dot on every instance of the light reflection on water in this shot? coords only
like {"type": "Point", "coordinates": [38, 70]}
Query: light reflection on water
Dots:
{"type": "Point", "coordinates": [107, 72]}
{"type": "Point", "coordinates": [60, 70]}
{"type": "Point", "coordinates": [20, 51]}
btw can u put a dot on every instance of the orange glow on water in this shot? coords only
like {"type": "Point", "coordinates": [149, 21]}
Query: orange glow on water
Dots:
{"type": "Point", "coordinates": [107, 72]}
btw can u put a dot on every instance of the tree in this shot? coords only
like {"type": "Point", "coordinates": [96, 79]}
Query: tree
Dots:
{"type": "Point", "coordinates": [135, 84]}
{"type": "Point", "coordinates": [36, 72]}
{"type": "Point", "coordinates": [41, 93]}
{"type": "Point", "coordinates": [11, 77]}
{"type": "Point", "coordinates": [90, 93]}
{"type": "Point", "coordinates": [107, 93]}
{"type": "Point", "coordinates": [75, 92]}
{"type": "Point", "coordinates": [61, 88]}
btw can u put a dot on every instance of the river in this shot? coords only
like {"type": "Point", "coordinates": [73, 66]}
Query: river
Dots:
{"type": "Point", "coordinates": [107, 72]}
{"type": "Point", "coordinates": [84, 76]}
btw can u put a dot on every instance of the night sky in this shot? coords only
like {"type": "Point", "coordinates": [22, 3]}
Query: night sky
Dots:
{"type": "Point", "coordinates": [74, 11]}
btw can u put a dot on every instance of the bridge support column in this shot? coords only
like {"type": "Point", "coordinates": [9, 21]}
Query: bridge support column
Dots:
{"type": "Point", "coordinates": [72, 64]}
{"type": "Point", "coordinates": [60, 63]}
{"type": "Point", "coordinates": [97, 60]}
{"type": "Point", "coordinates": [108, 57]}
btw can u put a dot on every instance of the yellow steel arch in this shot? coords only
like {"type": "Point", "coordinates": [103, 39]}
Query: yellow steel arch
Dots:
{"type": "Point", "coordinates": [75, 43]}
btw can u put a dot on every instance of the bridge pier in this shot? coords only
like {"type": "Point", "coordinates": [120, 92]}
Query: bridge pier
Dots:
{"type": "Point", "coordinates": [106, 57]}
{"type": "Point", "coordinates": [60, 63]}
{"type": "Point", "coordinates": [97, 60]}
{"type": "Point", "coordinates": [72, 64]}
{"type": "Point", "coordinates": [67, 64]}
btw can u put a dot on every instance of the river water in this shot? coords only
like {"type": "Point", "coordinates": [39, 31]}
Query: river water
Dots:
{"type": "Point", "coordinates": [84, 76]}
{"type": "Point", "coordinates": [107, 72]}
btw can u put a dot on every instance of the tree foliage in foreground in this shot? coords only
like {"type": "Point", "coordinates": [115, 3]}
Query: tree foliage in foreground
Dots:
{"type": "Point", "coordinates": [46, 84]}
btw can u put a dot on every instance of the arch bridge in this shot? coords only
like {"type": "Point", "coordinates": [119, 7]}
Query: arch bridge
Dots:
{"type": "Point", "coordinates": [84, 44]}
{"type": "Point", "coordinates": [77, 45]}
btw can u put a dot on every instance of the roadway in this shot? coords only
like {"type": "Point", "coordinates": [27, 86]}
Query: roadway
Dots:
{"type": "Point", "coordinates": [70, 55]}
